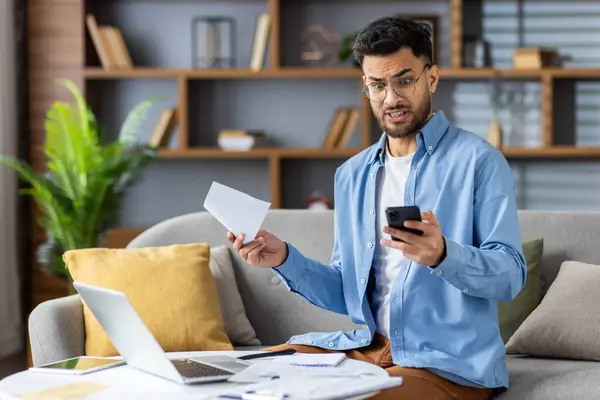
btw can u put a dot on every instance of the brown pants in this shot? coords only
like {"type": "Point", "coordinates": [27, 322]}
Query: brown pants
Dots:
{"type": "Point", "coordinates": [417, 384]}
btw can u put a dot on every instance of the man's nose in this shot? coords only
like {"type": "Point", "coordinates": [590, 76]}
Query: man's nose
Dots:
{"type": "Point", "coordinates": [391, 98]}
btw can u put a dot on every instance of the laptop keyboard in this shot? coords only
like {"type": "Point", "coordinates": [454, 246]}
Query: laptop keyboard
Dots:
{"type": "Point", "coordinates": [192, 369]}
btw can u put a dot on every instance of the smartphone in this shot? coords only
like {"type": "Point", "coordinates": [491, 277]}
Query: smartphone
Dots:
{"type": "Point", "coordinates": [397, 215]}
{"type": "Point", "coordinates": [78, 365]}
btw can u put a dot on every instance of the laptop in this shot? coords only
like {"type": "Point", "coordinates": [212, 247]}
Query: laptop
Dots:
{"type": "Point", "coordinates": [134, 341]}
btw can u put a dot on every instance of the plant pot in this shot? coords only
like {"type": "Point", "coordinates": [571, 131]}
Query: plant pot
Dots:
{"type": "Point", "coordinates": [494, 134]}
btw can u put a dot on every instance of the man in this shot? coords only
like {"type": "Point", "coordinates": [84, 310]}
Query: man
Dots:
{"type": "Point", "coordinates": [429, 303]}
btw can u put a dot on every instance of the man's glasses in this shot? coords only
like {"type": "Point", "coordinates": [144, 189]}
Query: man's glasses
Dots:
{"type": "Point", "coordinates": [403, 87]}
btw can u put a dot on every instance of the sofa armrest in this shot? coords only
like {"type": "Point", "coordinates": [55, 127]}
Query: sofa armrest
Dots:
{"type": "Point", "coordinates": [56, 330]}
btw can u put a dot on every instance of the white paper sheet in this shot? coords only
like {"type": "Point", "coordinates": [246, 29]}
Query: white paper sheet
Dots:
{"type": "Point", "coordinates": [237, 211]}
{"type": "Point", "coordinates": [327, 388]}
{"type": "Point", "coordinates": [265, 371]}
{"type": "Point", "coordinates": [312, 360]}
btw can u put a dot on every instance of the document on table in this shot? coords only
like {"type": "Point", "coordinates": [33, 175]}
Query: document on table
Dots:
{"type": "Point", "coordinates": [71, 391]}
{"type": "Point", "coordinates": [314, 388]}
{"type": "Point", "coordinates": [312, 360]}
{"type": "Point", "coordinates": [238, 212]}
{"type": "Point", "coordinates": [264, 370]}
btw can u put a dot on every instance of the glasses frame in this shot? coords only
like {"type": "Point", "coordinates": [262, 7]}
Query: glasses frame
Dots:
{"type": "Point", "coordinates": [388, 87]}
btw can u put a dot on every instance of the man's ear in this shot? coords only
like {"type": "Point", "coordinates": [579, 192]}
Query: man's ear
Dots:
{"type": "Point", "coordinates": [433, 77]}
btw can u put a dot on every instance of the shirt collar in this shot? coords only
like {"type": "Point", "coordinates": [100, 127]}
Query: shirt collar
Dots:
{"type": "Point", "coordinates": [431, 134]}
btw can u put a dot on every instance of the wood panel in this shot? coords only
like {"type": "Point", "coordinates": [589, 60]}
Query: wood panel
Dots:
{"type": "Point", "coordinates": [275, 181]}
{"type": "Point", "coordinates": [183, 111]}
{"type": "Point", "coordinates": [456, 21]}
{"type": "Point", "coordinates": [546, 110]}
{"type": "Point", "coordinates": [275, 13]}
{"type": "Point", "coordinates": [119, 238]}
{"type": "Point", "coordinates": [55, 50]}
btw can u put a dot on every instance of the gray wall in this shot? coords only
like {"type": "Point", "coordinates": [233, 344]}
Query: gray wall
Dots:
{"type": "Point", "coordinates": [297, 113]}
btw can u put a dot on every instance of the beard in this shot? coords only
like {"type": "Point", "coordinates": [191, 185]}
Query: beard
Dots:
{"type": "Point", "coordinates": [418, 116]}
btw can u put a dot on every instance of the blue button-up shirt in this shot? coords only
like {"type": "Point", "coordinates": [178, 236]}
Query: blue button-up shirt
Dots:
{"type": "Point", "coordinates": [445, 318]}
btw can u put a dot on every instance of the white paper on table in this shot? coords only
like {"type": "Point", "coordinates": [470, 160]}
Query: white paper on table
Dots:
{"type": "Point", "coordinates": [263, 371]}
{"type": "Point", "coordinates": [237, 211]}
{"type": "Point", "coordinates": [314, 388]}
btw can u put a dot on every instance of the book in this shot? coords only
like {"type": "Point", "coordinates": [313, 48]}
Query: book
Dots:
{"type": "Point", "coordinates": [241, 140]}
{"type": "Point", "coordinates": [117, 44]}
{"type": "Point", "coordinates": [164, 127]}
{"type": "Point", "coordinates": [336, 128]}
{"type": "Point", "coordinates": [99, 41]}
{"type": "Point", "coordinates": [349, 128]}
{"type": "Point", "coordinates": [261, 38]}
{"type": "Point", "coordinates": [111, 52]}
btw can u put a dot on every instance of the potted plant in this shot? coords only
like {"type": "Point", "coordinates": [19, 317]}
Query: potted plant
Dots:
{"type": "Point", "coordinates": [345, 52]}
{"type": "Point", "coordinates": [80, 192]}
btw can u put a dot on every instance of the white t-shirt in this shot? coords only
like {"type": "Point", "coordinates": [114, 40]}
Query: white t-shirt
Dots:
{"type": "Point", "coordinates": [388, 262]}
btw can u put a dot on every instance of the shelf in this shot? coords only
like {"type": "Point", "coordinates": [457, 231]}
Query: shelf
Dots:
{"type": "Point", "coordinates": [575, 73]}
{"type": "Point", "coordinates": [328, 73]}
{"type": "Point", "coordinates": [552, 152]}
{"type": "Point", "coordinates": [299, 73]}
{"type": "Point", "coordinates": [308, 153]}
{"type": "Point", "coordinates": [257, 153]}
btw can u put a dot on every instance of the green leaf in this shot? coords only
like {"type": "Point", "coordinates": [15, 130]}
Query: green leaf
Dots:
{"type": "Point", "coordinates": [49, 256]}
{"type": "Point", "coordinates": [133, 122]}
{"type": "Point", "coordinates": [81, 190]}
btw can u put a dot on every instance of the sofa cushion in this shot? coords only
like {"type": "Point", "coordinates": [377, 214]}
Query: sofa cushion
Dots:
{"type": "Point", "coordinates": [238, 327]}
{"type": "Point", "coordinates": [511, 314]}
{"type": "Point", "coordinates": [534, 378]}
{"type": "Point", "coordinates": [566, 323]}
{"type": "Point", "coordinates": [171, 288]}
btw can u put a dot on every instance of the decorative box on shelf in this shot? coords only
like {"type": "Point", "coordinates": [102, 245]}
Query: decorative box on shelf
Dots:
{"type": "Point", "coordinates": [241, 140]}
{"type": "Point", "coordinates": [536, 58]}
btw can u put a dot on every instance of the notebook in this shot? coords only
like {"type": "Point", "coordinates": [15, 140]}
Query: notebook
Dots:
{"type": "Point", "coordinates": [313, 360]}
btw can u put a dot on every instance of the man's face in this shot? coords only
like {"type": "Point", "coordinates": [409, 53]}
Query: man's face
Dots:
{"type": "Point", "coordinates": [405, 112]}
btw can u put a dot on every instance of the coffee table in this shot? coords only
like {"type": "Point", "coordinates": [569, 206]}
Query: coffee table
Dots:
{"type": "Point", "coordinates": [124, 382]}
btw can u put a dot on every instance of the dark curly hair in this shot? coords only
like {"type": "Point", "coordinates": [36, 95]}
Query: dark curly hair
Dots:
{"type": "Point", "coordinates": [387, 35]}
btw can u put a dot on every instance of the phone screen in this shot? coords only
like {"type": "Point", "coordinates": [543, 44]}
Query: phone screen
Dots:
{"type": "Point", "coordinates": [81, 363]}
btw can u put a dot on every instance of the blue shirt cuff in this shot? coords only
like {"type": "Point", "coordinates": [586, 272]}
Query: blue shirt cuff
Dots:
{"type": "Point", "coordinates": [449, 268]}
{"type": "Point", "coordinates": [292, 269]}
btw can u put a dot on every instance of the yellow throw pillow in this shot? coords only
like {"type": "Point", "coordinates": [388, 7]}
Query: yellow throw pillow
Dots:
{"type": "Point", "coordinates": [171, 288]}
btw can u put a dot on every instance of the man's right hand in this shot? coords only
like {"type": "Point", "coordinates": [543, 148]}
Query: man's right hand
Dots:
{"type": "Point", "coordinates": [265, 251]}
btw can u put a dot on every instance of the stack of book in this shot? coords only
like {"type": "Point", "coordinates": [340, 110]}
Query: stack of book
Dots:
{"type": "Point", "coordinates": [164, 128]}
{"type": "Point", "coordinates": [342, 128]}
{"type": "Point", "coordinates": [109, 44]}
{"type": "Point", "coordinates": [241, 140]}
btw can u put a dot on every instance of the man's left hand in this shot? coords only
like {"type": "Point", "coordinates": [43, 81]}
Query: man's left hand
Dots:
{"type": "Point", "coordinates": [428, 250]}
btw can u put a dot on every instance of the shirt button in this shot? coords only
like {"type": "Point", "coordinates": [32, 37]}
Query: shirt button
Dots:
{"type": "Point", "coordinates": [465, 290]}
{"type": "Point", "coordinates": [363, 281]}
{"type": "Point", "coordinates": [373, 176]}
{"type": "Point", "coordinates": [330, 344]}
{"type": "Point", "coordinates": [438, 273]}
{"type": "Point", "coordinates": [369, 245]}
{"type": "Point", "coordinates": [430, 148]}
{"type": "Point", "coordinates": [371, 211]}
{"type": "Point", "coordinates": [363, 341]}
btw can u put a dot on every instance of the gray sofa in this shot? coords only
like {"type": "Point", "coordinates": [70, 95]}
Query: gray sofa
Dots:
{"type": "Point", "coordinates": [56, 327]}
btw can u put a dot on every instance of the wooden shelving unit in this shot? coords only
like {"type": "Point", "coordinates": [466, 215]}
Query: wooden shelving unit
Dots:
{"type": "Point", "coordinates": [332, 73]}
{"type": "Point", "coordinates": [513, 152]}
{"type": "Point", "coordinates": [257, 153]}
{"type": "Point", "coordinates": [59, 46]}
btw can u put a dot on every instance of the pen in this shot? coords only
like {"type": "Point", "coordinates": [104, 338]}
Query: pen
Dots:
{"type": "Point", "coordinates": [268, 354]}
